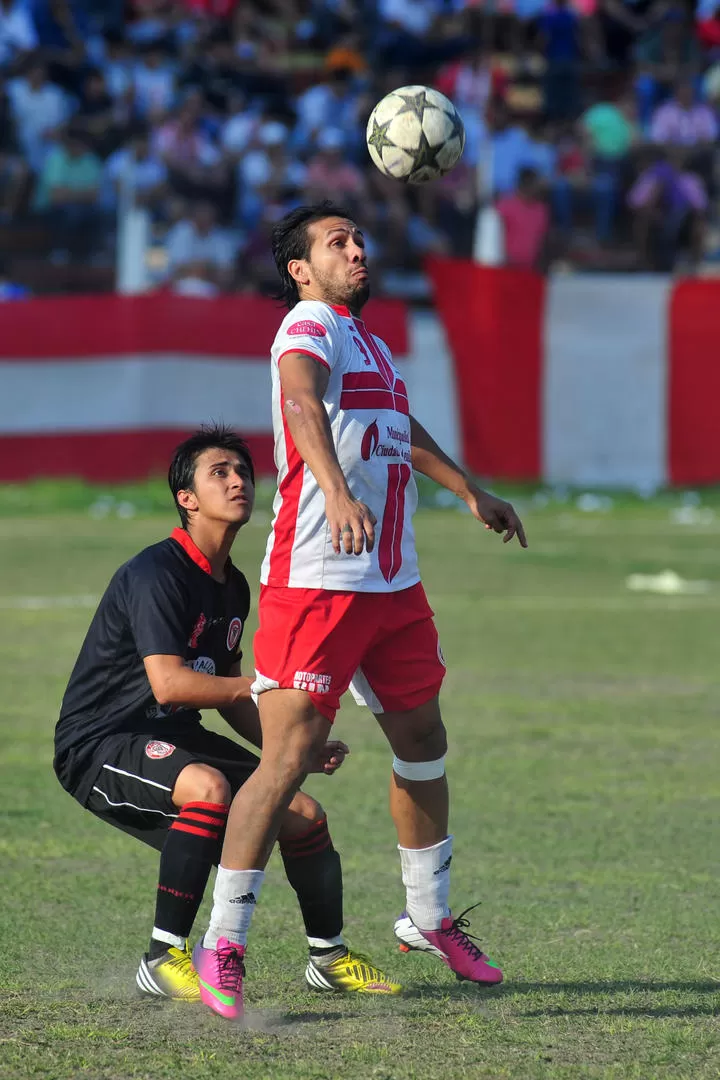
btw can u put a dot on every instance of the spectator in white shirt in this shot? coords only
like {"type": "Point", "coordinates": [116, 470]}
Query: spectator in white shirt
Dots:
{"type": "Point", "coordinates": [154, 83]}
{"type": "Point", "coordinates": [137, 165]}
{"type": "Point", "coordinates": [39, 108]}
{"type": "Point", "coordinates": [201, 255]}
{"type": "Point", "coordinates": [17, 31]}
{"type": "Point", "coordinates": [239, 128]}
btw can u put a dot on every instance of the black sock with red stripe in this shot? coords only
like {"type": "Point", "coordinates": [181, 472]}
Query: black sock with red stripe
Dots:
{"type": "Point", "coordinates": [313, 868]}
{"type": "Point", "coordinates": [192, 848]}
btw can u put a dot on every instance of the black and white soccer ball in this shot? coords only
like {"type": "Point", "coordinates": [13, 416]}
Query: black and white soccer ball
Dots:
{"type": "Point", "coordinates": [415, 134]}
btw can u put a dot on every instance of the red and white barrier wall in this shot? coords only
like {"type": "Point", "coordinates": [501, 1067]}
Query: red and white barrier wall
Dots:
{"type": "Point", "coordinates": [591, 381]}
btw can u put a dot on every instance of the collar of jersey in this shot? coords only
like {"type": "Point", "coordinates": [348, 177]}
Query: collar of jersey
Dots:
{"type": "Point", "coordinates": [340, 309]}
{"type": "Point", "coordinates": [186, 543]}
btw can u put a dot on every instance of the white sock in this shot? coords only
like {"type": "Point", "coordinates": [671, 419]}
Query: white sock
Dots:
{"type": "Point", "coordinates": [325, 943]}
{"type": "Point", "coordinates": [235, 895]}
{"type": "Point", "coordinates": [426, 877]}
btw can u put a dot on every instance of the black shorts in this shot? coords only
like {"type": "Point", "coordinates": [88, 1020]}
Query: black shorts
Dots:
{"type": "Point", "coordinates": [137, 773]}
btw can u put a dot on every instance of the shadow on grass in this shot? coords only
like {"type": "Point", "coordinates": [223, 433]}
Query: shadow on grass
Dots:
{"type": "Point", "coordinates": [604, 991]}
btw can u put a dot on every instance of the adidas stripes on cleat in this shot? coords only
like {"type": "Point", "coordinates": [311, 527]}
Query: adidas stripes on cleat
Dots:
{"type": "Point", "coordinates": [171, 975]}
{"type": "Point", "coordinates": [454, 947]}
{"type": "Point", "coordinates": [350, 972]}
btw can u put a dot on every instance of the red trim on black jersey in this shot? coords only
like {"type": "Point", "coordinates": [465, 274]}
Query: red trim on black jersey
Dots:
{"type": "Point", "coordinates": [187, 544]}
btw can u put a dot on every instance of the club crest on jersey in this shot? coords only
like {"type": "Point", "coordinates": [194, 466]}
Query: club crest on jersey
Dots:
{"type": "Point", "coordinates": [156, 749]}
{"type": "Point", "coordinates": [370, 441]}
{"type": "Point", "coordinates": [197, 631]}
{"type": "Point", "coordinates": [233, 634]}
{"type": "Point", "coordinates": [308, 328]}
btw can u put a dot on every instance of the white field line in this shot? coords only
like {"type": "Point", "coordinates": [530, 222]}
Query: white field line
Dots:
{"type": "Point", "coordinates": [46, 603]}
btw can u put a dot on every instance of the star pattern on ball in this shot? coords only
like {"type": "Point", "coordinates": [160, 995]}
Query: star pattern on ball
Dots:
{"type": "Point", "coordinates": [379, 139]}
{"type": "Point", "coordinates": [414, 103]}
{"type": "Point", "coordinates": [458, 128]}
{"type": "Point", "coordinates": [424, 155]}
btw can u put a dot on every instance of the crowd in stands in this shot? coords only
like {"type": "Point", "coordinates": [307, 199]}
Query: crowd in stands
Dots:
{"type": "Point", "coordinates": [591, 127]}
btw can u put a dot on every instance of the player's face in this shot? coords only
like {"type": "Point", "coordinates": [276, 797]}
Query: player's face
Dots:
{"type": "Point", "coordinates": [222, 488]}
{"type": "Point", "coordinates": [336, 271]}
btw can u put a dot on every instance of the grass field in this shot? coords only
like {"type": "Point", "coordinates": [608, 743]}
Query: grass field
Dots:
{"type": "Point", "coordinates": [586, 799]}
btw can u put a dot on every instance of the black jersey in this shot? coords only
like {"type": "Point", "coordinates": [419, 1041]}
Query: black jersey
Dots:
{"type": "Point", "coordinates": [162, 602]}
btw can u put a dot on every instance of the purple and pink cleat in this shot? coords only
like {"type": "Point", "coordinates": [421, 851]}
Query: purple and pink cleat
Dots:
{"type": "Point", "coordinates": [220, 975]}
{"type": "Point", "coordinates": [454, 947]}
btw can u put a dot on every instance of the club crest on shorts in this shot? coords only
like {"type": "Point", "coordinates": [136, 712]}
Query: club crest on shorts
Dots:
{"type": "Point", "coordinates": [234, 632]}
{"type": "Point", "coordinates": [308, 328]}
{"type": "Point", "coordinates": [156, 749]}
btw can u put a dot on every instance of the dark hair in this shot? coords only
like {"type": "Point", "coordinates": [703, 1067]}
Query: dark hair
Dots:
{"type": "Point", "coordinates": [527, 175]}
{"type": "Point", "coordinates": [181, 474]}
{"type": "Point", "coordinates": [290, 240]}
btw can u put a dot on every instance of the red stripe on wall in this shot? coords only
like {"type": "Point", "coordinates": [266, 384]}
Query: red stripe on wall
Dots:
{"type": "Point", "coordinates": [106, 457]}
{"type": "Point", "coordinates": [494, 323]}
{"type": "Point", "coordinates": [694, 383]}
{"type": "Point", "coordinates": [78, 327]}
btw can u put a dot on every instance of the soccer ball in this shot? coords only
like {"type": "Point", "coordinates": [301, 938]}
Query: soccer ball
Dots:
{"type": "Point", "coordinates": [415, 134]}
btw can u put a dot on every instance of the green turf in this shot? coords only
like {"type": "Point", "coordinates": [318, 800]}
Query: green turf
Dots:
{"type": "Point", "coordinates": [586, 799]}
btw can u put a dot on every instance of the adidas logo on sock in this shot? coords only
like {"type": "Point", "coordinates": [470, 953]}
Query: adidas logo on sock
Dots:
{"type": "Point", "coordinates": [247, 898]}
{"type": "Point", "coordinates": [441, 869]}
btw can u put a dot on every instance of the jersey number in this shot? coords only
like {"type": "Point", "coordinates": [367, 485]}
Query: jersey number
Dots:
{"type": "Point", "coordinates": [391, 534]}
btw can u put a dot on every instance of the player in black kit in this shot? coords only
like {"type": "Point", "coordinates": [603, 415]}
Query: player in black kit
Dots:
{"type": "Point", "coordinates": [129, 746]}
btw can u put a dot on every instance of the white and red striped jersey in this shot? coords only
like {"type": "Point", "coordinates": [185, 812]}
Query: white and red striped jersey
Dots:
{"type": "Point", "coordinates": [367, 405]}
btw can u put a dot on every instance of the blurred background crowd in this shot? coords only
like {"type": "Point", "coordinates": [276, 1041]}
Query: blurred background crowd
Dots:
{"type": "Point", "coordinates": [591, 134]}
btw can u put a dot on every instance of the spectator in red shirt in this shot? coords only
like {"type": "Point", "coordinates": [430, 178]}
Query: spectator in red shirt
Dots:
{"type": "Point", "coordinates": [526, 222]}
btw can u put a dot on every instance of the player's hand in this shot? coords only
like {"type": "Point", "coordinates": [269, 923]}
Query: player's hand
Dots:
{"type": "Point", "coordinates": [352, 524]}
{"type": "Point", "coordinates": [330, 757]}
{"type": "Point", "coordinates": [495, 514]}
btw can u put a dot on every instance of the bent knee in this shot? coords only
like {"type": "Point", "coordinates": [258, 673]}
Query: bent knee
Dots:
{"type": "Point", "coordinates": [201, 783]}
{"type": "Point", "coordinates": [425, 742]}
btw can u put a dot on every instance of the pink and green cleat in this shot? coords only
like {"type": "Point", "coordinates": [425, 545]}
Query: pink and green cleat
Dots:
{"type": "Point", "coordinates": [220, 977]}
{"type": "Point", "coordinates": [454, 947]}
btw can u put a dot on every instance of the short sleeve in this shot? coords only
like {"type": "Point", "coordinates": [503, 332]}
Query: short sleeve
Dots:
{"type": "Point", "coordinates": [157, 607]}
{"type": "Point", "coordinates": [310, 328]}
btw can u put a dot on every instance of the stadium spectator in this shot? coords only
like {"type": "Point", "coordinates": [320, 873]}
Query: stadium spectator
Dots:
{"type": "Point", "coordinates": [334, 102]}
{"type": "Point", "coordinates": [67, 195]}
{"type": "Point", "coordinates": [201, 254]}
{"type": "Point", "coordinates": [669, 204]}
{"type": "Point", "coordinates": [154, 83]}
{"type": "Point", "coordinates": [18, 36]}
{"type": "Point", "coordinates": [194, 162]}
{"type": "Point", "coordinates": [267, 174]}
{"type": "Point", "coordinates": [330, 175]}
{"type": "Point", "coordinates": [560, 41]}
{"type": "Point", "coordinates": [526, 222]}
{"type": "Point", "coordinates": [103, 121]}
{"type": "Point", "coordinates": [39, 107]}
{"type": "Point", "coordinates": [141, 168]}
{"type": "Point", "coordinates": [512, 147]}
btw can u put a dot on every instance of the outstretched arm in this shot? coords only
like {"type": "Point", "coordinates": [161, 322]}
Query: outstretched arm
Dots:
{"type": "Point", "coordinates": [431, 461]}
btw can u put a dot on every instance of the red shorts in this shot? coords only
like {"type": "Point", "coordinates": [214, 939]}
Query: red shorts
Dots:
{"type": "Point", "coordinates": [319, 641]}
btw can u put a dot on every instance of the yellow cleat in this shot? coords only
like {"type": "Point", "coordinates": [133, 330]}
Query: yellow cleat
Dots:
{"type": "Point", "coordinates": [172, 975]}
{"type": "Point", "coordinates": [349, 973]}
